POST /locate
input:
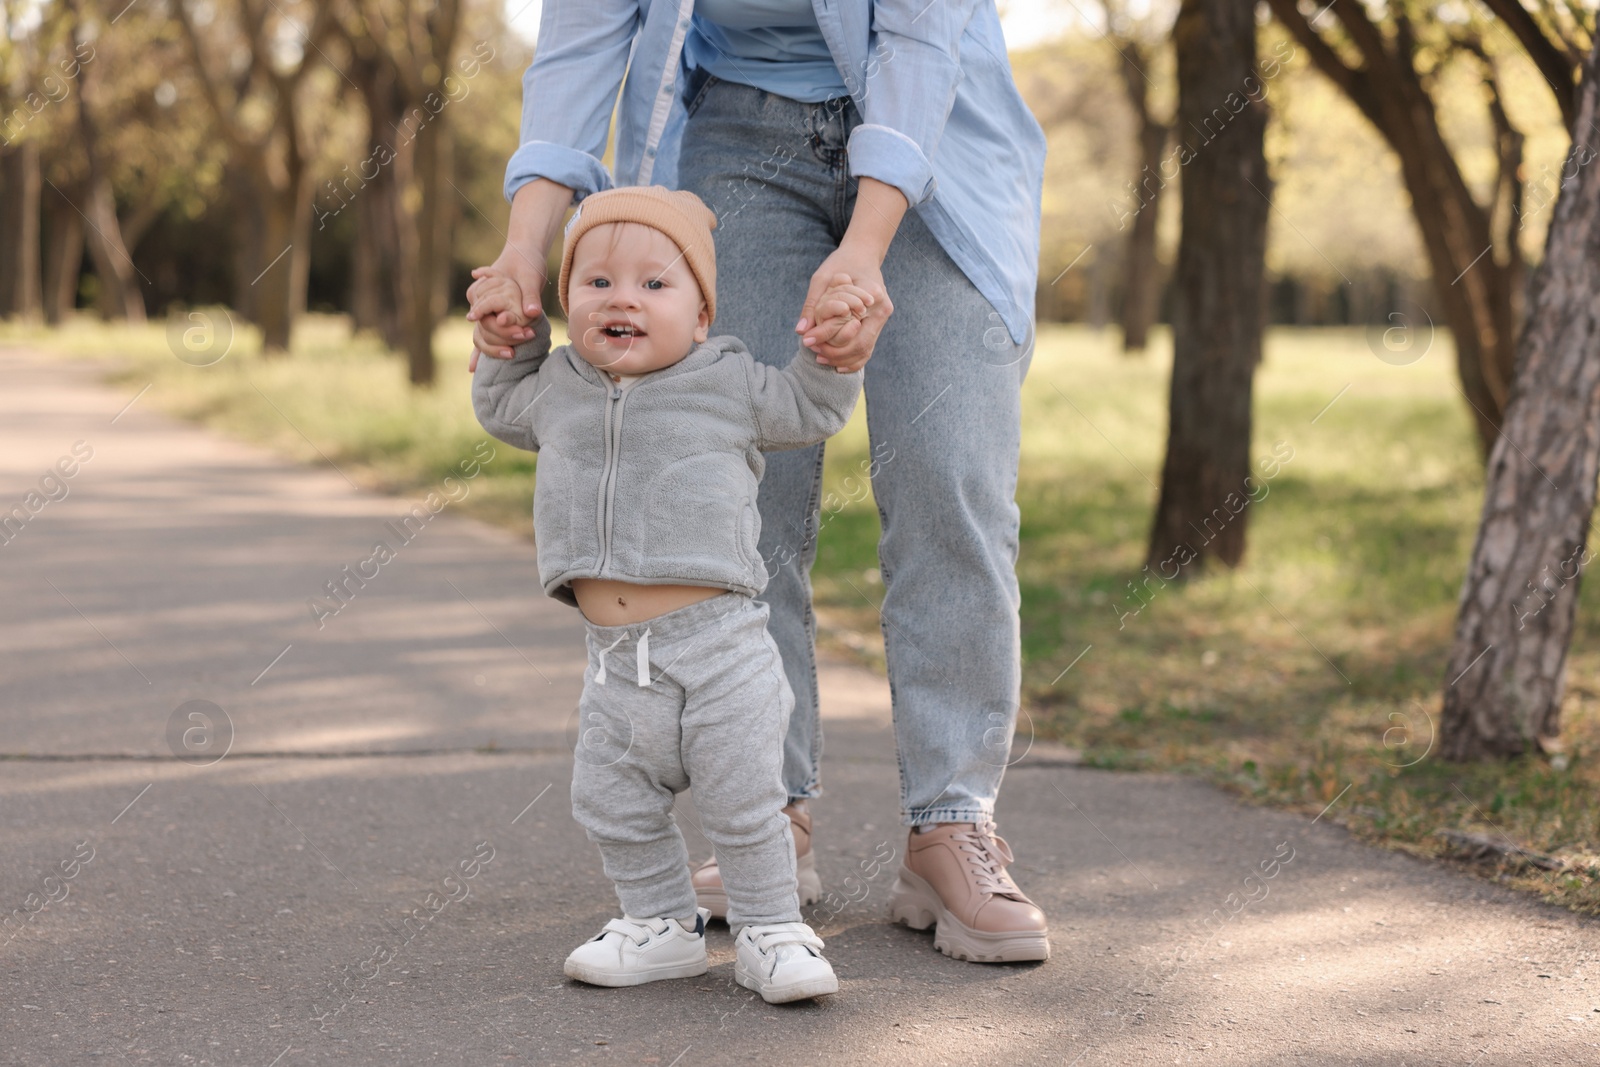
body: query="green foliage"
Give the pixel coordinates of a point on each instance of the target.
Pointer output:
(1341, 209)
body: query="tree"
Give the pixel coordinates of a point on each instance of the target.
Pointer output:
(37, 72)
(404, 51)
(379, 294)
(1553, 38)
(1218, 306)
(259, 110)
(1507, 668)
(70, 106)
(1387, 59)
(113, 261)
(29, 86)
(19, 230)
(122, 144)
(63, 256)
(1141, 277)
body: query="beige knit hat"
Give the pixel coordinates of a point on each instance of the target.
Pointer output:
(680, 215)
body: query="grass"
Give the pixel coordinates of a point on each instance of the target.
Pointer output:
(1309, 677)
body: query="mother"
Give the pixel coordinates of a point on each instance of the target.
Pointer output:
(885, 140)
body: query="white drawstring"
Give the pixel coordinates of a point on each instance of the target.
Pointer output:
(643, 660)
(600, 675)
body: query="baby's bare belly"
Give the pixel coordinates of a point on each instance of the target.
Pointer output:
(608, 602)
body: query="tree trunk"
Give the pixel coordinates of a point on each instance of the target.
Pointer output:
(246, 193)
(1141, 285)
(1141, 280)
(275, 279)
(403, 74)
(1507, 668)
(434, 158)
(285, 267)
(379, 297)
(299, 257)
(113, 264)
(114, 267)
(1476, 298)
(376, 301)
(1217, 315)
(364, 264)
(63, 259)
(19, 231)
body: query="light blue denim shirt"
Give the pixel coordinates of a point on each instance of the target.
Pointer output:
(942, 120)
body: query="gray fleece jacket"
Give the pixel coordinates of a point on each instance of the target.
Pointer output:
(655, 484)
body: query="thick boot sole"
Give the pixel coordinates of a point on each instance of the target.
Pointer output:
(715, 899)
(914, 902)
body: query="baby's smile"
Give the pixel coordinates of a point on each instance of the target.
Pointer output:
(622, 329)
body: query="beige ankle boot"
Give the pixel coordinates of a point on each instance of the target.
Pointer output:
(954, 879)
(707, 879)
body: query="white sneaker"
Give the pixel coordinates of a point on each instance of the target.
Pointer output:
(782, 962)
(631, 951)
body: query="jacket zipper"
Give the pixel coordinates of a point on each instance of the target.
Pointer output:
(608, 477)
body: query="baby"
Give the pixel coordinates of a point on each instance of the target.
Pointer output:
(650, 434)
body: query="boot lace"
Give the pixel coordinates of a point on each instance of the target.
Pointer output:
(987, 856)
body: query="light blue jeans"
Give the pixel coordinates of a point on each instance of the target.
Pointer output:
(943, 411)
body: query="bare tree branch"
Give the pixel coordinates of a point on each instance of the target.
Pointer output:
(1556, 59)
(1350, 80)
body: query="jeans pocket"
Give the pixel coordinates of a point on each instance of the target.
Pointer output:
(698, 84)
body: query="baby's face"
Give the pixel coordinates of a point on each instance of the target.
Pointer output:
(636, 306)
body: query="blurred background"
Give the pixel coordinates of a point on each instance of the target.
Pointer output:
(268, 210)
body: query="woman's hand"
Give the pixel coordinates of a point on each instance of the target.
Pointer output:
(496, 303)
(499, 327)
(836, 318)
(536, 213)
(851, 344)
(878, 210)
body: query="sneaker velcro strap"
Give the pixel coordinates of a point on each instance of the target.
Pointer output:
(636, 930)
(772, 935)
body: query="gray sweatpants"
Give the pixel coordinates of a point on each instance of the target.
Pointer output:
(705, 706)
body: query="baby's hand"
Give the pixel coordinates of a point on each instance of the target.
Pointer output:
(495, 297)
(838, 312)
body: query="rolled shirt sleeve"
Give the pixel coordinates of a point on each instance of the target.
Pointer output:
(569, 92)
(908, 91)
